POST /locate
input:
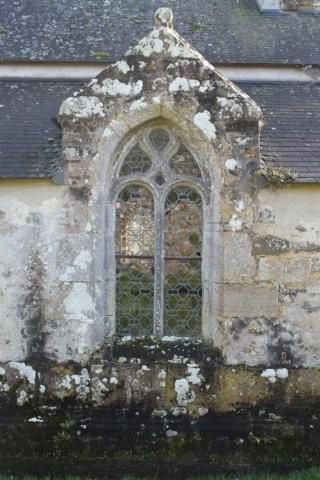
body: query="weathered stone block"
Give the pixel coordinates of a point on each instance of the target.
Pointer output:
(250, 300)
(247, 341)
(239, 264)
(287, 269)
(276, 216)
(270, 245)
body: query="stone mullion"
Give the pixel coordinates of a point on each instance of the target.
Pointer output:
(159, 268)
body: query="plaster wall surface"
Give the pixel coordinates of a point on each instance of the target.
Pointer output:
(29, 222)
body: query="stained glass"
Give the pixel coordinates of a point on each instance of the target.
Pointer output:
(183, 245)
(159, 246)
(183, 163)
(159, 138)
(137, 161)
(135, 263)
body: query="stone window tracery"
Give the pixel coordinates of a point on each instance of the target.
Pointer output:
(159, 224)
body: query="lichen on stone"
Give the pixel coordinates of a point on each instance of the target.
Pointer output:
(278, 175)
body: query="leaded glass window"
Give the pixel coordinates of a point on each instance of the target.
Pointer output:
(134, 247)
(159, 223)
(183, 245)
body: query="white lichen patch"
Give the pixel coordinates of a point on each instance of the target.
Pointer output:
(126, 338)
(79, 382)
(162, 375)
(203, 411)
(235, 223)
(122, 360)
(182, 386)
(178, 411)
(206, 86)
(148, 45)
(159, 413)
(114, 87)
(25, 371)
(79, 304)
(179, 49)
(231, 106)
(71, 153)
(282, 373)
(82, 383)
(157, 45)
(231, 164)
(22, 398)
(2, 371)
(144, 368)
(83, 260)
(66, 383)
(243, 141)
(36, 420)
(138, 105)
(239, 205)
(82, 107)
(272, 374)
(203, 121)
(178, 359)
(123, 67)
(194, 375)
(174, 338)
(181, 84)
(4, 387)
(107, 133)
(182, 390)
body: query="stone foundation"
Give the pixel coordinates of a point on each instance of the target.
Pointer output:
(168, 407)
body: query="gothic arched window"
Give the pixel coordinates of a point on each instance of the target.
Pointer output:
(159, 225)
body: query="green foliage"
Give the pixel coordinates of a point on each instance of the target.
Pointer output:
(64, 439)
(100, 54)
(198, 27)
(3, 31)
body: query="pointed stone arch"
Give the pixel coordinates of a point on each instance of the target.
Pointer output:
(210, 209)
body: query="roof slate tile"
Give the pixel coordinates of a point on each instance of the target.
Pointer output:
(224, 31)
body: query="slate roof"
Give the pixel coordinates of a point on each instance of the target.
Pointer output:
(30, 143)
(225, 31)
(291, 135)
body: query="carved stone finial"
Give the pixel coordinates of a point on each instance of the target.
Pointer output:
(163, 18)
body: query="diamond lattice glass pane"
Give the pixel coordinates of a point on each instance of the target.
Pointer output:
(135, 264)
(183, 163)
(135, 222)
(137, 161)
(183, 246)
(134, 296)
(159, 138)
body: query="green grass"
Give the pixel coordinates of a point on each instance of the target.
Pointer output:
(312, 474)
